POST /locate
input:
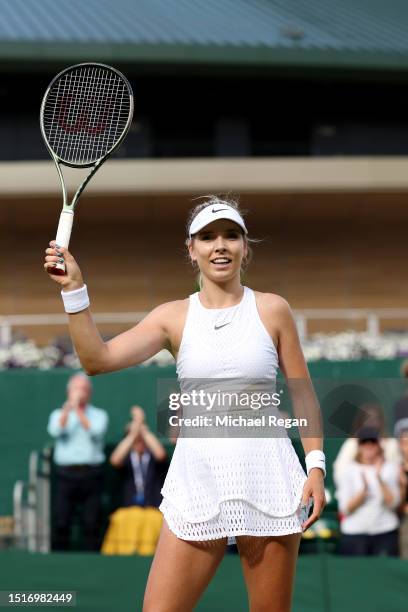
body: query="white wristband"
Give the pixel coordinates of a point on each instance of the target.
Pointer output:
(76, 300)
(315, 459)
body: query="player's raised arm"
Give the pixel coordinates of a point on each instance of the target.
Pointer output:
(96, 356)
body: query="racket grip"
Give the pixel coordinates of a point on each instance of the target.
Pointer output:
(64, 233)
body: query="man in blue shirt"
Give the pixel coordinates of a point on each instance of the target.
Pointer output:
(79, 430)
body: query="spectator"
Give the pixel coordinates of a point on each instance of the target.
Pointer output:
(401, 406)
(135, 527)
(401, 433)
(144, 459)
(369, 415)
(79, 429)
(368, 497)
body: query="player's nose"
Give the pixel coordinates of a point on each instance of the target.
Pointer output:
(219, 243)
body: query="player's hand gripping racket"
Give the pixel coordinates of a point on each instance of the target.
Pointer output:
(85, 114)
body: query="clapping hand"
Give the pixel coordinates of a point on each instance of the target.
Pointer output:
(365, 484)
(137, 414)
(137, 423)
(378, 465)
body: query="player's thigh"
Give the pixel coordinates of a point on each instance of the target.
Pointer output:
(180, 572)
(269, 567)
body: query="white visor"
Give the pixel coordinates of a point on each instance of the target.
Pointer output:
(213, 212)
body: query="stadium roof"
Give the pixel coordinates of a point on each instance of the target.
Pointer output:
(368, 34)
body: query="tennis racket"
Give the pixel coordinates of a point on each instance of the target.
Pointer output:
(85, 114)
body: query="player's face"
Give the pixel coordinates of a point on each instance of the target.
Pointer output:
(219, 249)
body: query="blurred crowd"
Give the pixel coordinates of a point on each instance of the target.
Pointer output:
(370, 474)
(78, 429)
(371, 477)
(24, 353)
(350, 345)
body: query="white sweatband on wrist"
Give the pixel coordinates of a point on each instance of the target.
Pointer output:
(315, 459)
(76, 300)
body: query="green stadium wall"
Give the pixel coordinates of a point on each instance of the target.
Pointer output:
(27, 397)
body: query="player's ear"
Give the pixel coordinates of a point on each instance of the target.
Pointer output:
(246, 249)
(190, 248)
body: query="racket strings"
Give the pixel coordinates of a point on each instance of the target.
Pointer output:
(85, 113)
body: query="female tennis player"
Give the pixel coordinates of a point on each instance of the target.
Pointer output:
(250, 491)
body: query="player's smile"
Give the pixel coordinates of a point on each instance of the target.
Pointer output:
(221, 262)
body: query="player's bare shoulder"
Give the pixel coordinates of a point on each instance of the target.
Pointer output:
(275, 313)
(272, 305)
(171, 311)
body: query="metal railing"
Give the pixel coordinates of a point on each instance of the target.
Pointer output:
(372, 318)
(20, 514)
(31, 505)
(7, 322)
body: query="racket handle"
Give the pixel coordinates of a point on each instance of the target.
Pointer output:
(64, 233)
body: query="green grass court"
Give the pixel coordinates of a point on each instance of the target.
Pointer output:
(324, 583)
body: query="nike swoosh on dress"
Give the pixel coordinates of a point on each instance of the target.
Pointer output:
(223, 325)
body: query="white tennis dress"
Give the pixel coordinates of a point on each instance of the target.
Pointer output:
(218, 487)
